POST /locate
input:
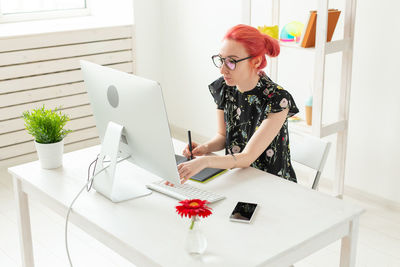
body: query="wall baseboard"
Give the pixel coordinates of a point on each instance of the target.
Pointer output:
(363, 196)
(368, 197)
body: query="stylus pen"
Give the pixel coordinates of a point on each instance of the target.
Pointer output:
(190, 145)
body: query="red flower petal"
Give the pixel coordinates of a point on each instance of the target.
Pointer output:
(193, 207)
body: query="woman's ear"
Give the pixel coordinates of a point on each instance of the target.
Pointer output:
(256, 62)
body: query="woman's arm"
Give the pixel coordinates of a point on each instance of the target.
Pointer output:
(257, 144)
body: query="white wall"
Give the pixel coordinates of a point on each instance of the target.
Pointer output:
(147, 19)
(191, 32)
(373, 151)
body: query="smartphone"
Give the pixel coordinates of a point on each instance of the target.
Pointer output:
(243, 212)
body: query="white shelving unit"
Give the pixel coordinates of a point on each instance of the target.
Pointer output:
(321, 50)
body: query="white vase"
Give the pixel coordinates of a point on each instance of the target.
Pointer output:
(196, 242)
(50, 155)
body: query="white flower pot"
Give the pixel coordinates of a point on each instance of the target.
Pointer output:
(50, 155)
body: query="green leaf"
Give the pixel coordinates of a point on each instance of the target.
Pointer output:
(46, 125)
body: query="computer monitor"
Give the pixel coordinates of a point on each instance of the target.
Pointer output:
(131, 120)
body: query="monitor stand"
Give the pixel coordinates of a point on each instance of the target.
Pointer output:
(116, 184)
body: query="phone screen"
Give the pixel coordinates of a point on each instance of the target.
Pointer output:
(243, 212)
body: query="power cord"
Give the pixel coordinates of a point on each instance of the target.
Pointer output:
(90, 181)
(88, 186)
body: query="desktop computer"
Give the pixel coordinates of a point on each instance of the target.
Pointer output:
(132, 122)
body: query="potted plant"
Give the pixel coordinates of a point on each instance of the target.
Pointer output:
(47, 127)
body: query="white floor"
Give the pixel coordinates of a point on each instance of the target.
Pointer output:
(378, 242)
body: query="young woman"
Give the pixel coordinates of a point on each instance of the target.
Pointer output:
(252, 110)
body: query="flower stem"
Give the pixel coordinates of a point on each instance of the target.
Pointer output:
(192, 224)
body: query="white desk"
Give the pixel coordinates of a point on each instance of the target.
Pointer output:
(291, 223)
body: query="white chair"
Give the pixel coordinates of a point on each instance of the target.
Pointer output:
(309, 151)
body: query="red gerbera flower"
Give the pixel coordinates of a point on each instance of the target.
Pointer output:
(194, 207)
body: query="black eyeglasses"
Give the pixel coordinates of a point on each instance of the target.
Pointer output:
(230, 63)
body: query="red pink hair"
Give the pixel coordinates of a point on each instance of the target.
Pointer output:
(256, 43)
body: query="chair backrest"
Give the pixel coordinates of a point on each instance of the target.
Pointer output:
(309, 151)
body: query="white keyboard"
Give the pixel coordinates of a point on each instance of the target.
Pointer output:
(184, 191)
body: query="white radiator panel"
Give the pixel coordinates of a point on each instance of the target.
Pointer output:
(44, 69)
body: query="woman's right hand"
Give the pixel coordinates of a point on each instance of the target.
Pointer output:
(198, 150)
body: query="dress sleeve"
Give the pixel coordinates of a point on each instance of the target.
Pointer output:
(217, 90)
(278, 100)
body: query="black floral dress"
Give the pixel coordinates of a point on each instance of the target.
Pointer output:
(244, 113)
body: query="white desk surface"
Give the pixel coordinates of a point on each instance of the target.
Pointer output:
(292, 221)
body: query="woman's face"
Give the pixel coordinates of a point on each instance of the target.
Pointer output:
(243, 70)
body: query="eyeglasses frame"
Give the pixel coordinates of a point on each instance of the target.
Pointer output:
(224, 58)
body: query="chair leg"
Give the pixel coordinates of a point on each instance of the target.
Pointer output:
(316, 180)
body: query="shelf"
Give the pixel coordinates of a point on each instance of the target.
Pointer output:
(336, 46)
(322, 49)
(296, 46)
(330, 47)
(326, 129)
(333, 128)
(300, 126)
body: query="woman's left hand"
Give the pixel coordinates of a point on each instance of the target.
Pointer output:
(190, 168)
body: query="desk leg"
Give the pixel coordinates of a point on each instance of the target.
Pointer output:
(349, 245)
(24, 224)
